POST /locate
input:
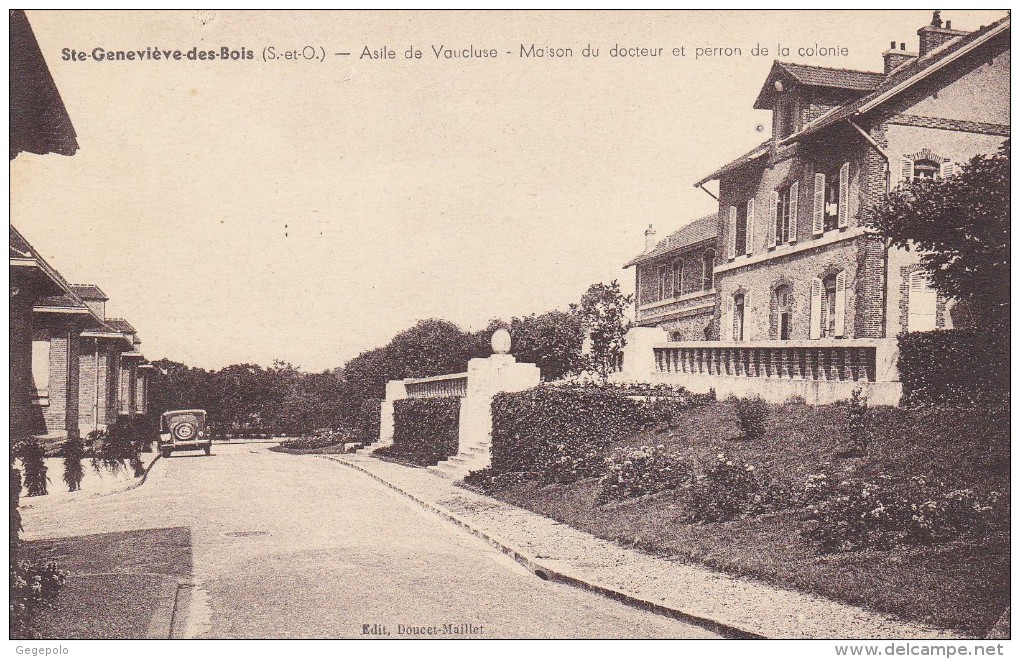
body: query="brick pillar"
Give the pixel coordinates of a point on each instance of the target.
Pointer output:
(20, 371)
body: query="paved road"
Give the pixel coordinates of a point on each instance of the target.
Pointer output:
(299, 547)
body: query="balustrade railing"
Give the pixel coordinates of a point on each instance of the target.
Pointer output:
(801, 361)
(437, 387)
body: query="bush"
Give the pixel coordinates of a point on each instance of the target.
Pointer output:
(320, 439)
(73, 451)
(857, 419)
(33, 588)
(962, 368)
(862, 514)
(562, 430)
(367, 421)
(638, 472)
(120, 445)
(752, 417)
(491, 482)
(33, 458)
(426, 431)
(729, 489)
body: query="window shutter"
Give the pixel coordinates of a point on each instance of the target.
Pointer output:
(818, 217)
(844, 196)
(906, 170)
(773, 216)
(921, 304)
(816, 308)
(794, 196)
(726, 321)
(947, 169)
(748, 324)
(840, 319)
(749, 238)
(733, 233)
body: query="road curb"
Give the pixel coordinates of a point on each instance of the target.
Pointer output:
(543, 572)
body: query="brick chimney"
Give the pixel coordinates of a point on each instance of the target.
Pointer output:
(649, 238)
(934, 35)
(895, 58)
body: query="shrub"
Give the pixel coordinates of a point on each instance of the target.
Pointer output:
(859, 515)
(33, 458)
(491, 482)
(120, 446)
(33, 588)
(857, 420)
(752, 417)
(863, 514)
(73, 451)
(560, 429)
(637, 472)
(367, 421)
(728, 489)
(320, 439)
(962, 368)
(426, 431)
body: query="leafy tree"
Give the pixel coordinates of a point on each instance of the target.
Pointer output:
(960, 226)
(603, 316)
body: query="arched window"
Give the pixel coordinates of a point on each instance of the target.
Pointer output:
(783, 301)
(676, 336)
(708, 270)
(678, 278)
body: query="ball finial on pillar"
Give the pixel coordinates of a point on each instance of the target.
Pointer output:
(501, 342)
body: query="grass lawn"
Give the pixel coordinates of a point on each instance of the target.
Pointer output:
(962, 585)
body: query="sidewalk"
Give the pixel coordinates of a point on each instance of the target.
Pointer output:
(733, 607)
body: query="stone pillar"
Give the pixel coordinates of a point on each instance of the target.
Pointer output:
(638, 355)
(395, 390)
(486, 378)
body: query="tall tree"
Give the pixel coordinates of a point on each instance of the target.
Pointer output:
(960, 227)
(603, 313)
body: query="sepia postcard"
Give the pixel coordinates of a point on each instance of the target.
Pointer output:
(499, 325)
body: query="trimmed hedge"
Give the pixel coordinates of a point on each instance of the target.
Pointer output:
(560, 431)
(962, 368)
(426, 431)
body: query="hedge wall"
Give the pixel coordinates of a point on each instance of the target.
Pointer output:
(535, 430)
(954, 367)
(425, 430)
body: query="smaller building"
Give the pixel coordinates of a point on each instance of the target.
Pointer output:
(675, 280)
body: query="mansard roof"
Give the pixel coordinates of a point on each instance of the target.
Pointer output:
(700, 230)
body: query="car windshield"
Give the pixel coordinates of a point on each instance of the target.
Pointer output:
(174, 418)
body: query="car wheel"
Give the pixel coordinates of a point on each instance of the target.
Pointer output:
(208, 450)
(166, 452)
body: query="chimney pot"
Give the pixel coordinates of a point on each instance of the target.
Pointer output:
(949, 25)
(649, 238)
(903, 45)
(892, 45)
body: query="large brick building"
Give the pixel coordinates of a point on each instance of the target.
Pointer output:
(792, 262)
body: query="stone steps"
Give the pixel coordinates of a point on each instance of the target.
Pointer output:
(460, 465)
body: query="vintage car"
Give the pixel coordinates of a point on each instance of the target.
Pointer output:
(184, 430)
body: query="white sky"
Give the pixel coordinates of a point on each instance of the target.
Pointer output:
(246, 211)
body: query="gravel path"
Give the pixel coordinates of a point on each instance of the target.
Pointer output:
(738, 604)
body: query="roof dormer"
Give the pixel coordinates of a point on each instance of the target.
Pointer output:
(798, 93)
